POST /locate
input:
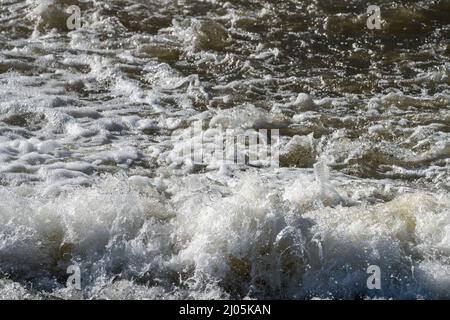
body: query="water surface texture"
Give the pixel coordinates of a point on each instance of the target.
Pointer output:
(91, 174)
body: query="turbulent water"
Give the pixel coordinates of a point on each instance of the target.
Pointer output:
(91, 175)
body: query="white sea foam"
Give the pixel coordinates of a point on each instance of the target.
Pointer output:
(242, 234)
(93, 170)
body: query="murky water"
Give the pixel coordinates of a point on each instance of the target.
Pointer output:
(91, 175)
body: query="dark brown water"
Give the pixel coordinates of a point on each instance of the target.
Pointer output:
(91, 172)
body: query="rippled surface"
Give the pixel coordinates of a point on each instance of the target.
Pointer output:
(89, 172)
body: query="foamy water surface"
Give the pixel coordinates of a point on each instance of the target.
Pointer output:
(90, 172)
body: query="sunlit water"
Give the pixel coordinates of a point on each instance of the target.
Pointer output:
(90, 176)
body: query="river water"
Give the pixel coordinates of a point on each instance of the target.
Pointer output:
(92, 121)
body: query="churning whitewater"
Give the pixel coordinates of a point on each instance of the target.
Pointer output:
(95, 123)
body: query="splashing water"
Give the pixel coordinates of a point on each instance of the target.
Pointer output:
(89, 172)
